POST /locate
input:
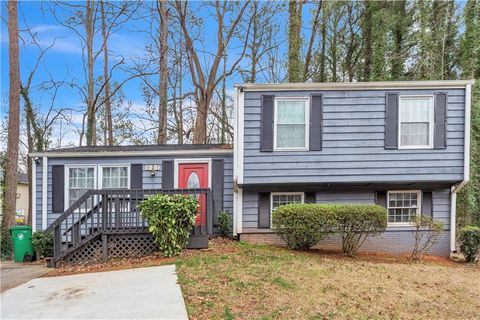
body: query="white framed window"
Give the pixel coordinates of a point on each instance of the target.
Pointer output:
(416, 116)
(291, 123)
(78, 180)
(114, 176)
(280, 198)
(402, 206)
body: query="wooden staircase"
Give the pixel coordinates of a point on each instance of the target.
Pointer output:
(107, 223)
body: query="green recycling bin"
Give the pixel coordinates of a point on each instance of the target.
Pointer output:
(22, 243)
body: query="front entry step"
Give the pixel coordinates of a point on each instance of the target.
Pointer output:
(198, 242)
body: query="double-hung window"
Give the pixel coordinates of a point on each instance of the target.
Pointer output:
(80, 180)
(114, 177)
(416, 116)
(291, 119)
(281, 198)
(403, 206)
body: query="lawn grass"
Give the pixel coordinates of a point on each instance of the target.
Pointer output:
(246, 281)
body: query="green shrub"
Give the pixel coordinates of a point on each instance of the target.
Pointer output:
(224, 223)
(426, 235)
(302, 226)
(356, 222)
(42, 244)
(470, 242)
(170, 219)
(5, 244)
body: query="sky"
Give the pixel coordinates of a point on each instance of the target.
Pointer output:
(64, 60)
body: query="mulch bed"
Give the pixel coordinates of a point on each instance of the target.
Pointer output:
(217, 246)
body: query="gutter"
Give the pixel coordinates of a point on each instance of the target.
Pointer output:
(99, 154)
(378, 85)
(466, 169)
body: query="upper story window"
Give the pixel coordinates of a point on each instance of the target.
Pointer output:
(291, 119)
(114, 177)
(416, 116)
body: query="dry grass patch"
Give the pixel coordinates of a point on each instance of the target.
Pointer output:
(263, 282)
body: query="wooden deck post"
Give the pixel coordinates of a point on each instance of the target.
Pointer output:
(104, 247)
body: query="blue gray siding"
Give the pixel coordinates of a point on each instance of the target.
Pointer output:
(393, 240)
(149, 181)
(353, 144)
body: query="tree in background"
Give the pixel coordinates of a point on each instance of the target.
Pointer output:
(294, 40)
(11, 165)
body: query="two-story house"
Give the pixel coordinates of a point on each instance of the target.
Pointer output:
(402, 145)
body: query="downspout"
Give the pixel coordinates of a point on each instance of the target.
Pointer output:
(44, 192)
(466, 170)
(235, 164)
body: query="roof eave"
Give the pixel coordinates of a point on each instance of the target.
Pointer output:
(98, 154)
(379, 85)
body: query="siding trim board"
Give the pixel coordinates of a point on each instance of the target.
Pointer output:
(44, 192)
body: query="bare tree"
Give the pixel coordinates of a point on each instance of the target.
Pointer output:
(108, 105)
(11, 166)
(205, 81)
(163, 103)
(309, 53)
(294, 40)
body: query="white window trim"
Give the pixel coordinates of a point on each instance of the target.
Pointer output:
(419, 205)
(431, 121)
(67, 179)
(116, 165)
(272, 194)
(177, 162)
(306, 100)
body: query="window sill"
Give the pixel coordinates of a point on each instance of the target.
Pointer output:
(290, 149)
(415, 148)
(399, 224)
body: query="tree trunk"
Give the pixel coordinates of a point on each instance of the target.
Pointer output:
(367, 38)
(294, 40)
(11, 166)
(163, 103)
(108, 106)
(91, 114)
(224, 104)
(308, 55)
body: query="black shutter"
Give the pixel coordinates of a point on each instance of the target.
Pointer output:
(310, 197)
(391, 120)
(136, 176)
(427, 203)
(217, 187)
(167, 174)
(266, 124)
(440, 126)
(316, 122)
(264, 210)
(381, 198)
(58, 188)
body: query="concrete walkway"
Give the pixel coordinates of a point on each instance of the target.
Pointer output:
(16, 273)
(143, 293)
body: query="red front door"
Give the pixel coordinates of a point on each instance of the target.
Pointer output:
(195, 176)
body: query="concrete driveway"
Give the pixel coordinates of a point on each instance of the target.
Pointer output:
(143, 293)
(15, 273)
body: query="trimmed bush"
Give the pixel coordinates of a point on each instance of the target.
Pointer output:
(6, 244)
(42, 244)
(470, 242)
(356, 222)
(224, 223)
(426, 235)
(170, 219)
(302, 226)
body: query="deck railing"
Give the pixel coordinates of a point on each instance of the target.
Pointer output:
(115, 211)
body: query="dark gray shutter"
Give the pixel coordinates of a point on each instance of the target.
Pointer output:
(217, 187)
(310, 197)
(58, 188)
(316, 122)
(264, 210)
(381, 198)
(391, 120)
(167, 174)
(427, 203)
(136, 176)
(266, 124)
(440, 126)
